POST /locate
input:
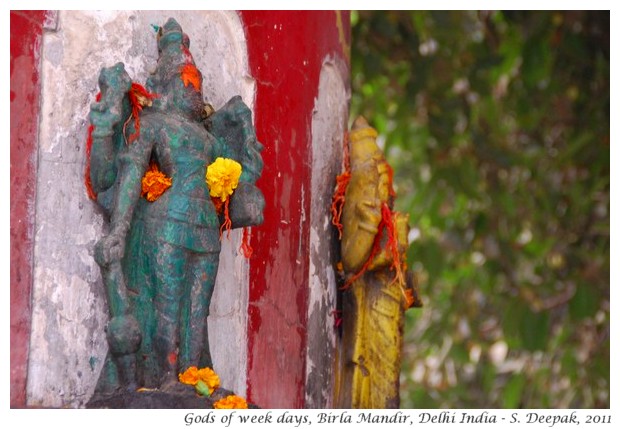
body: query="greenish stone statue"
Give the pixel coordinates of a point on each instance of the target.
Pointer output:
(160, 258)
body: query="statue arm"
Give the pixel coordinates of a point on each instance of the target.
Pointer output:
(106, 116)
(132, 162)
(234, 130)
(251, 158)
(220, 149)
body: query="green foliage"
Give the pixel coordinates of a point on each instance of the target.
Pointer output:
(497, 126)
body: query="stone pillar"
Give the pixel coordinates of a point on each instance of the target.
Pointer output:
(300, 63)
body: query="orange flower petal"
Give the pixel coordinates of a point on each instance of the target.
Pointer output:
(231, 401)
(190, 376)
(210, 378)
(154, 183)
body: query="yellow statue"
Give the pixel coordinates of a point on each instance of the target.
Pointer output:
(378, 287)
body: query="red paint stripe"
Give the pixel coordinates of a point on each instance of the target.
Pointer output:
(286, 52)
(26, 32)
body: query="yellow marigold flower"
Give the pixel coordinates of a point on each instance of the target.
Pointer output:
(231, 401)
(223, 177)
(190, 376)
(154, 183)
(210, 378)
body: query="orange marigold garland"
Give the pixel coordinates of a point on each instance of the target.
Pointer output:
(154, 183)
(231, 402)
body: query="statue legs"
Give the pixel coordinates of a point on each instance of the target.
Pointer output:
(194, 350)
(184, 286)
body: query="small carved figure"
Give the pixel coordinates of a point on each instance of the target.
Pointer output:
(160, 259)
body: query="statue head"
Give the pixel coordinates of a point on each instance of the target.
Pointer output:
(364, 151)
(176, 79)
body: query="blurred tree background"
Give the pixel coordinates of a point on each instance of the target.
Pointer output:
(497, 126)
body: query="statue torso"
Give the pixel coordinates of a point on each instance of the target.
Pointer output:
(184, 215)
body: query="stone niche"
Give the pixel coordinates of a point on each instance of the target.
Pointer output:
(68, 343)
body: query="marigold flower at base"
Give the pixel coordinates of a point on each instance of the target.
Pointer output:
(210, 378)
(154, 183)
(190, 376)
(231, 401)
(193, 375)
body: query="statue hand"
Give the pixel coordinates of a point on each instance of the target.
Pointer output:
(109, 249)
(247, 205)
(114, 83)
(102, 118)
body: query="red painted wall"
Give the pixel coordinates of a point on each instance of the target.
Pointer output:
(286, 52)
(26, 32)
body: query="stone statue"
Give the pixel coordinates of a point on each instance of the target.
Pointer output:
(378, 287)
(160, 259)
